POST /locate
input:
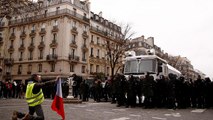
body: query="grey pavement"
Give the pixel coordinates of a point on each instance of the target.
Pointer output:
(105, 111)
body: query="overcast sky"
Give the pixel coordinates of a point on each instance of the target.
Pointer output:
(179, 27)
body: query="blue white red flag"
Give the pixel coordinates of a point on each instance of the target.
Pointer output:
(58, 104)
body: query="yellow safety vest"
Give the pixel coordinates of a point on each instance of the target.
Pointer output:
(33, 99)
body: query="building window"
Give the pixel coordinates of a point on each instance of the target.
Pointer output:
(75, 11)
(83, 69)
(98, 42)
(52, 67)
(53, 51)
(84, 56)
(33, 27)
(21, 56)
(29, 69)
(19, 69)
(55, 23)
(91, 52)
(43, 25)
(39, 67)
(54, 36)
(74, 24)
(32, 40)
(41, 52)
(107, 71)
(42, 38)
(91, 38)
(73, 38)
(98, 52)
(97, 68)
(30, 55)
(72, 68)
(91, 68)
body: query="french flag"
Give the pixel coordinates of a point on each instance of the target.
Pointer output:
(58, 104)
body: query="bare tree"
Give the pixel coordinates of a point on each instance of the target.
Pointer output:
(116, 49)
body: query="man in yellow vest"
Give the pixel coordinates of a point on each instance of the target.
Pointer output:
(34, 97)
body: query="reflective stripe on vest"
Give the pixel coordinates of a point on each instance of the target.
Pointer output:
(33, 99)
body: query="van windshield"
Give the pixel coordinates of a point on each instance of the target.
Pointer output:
(140, 66)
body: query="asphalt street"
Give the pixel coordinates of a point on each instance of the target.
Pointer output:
(105, 111)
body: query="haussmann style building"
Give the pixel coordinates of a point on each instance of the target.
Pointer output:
(63, 38)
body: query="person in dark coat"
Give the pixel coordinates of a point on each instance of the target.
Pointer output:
(76, 84)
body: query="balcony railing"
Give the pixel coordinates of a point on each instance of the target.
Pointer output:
(31, 47)
(41, 45)
(73, 44)
(85, 35)
(52, 57)
(11, 49)
(73, 58)
(55, 28)
(54, 43)
(74, 30)
(33, 33)
(8, 61)
(84, 48)
(21, 48)
(51, 14)
(12, 36)
(23, 34)
(43, 31)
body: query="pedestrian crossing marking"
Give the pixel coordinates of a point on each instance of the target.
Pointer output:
(122, 118)
(158, 118)
(198, 110)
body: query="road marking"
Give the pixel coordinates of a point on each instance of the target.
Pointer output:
(89, 110)
(121, 110)
(122, 118)
(108, 112)
(72, 108)
(198, 110)
(158, 118)
(133, 115)
(176, 115)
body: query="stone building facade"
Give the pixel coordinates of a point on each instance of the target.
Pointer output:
(64, 38)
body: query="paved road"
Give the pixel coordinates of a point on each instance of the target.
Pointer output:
(105, 111)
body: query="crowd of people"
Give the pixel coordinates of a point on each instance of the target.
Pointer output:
(164, 92)
(12, 89)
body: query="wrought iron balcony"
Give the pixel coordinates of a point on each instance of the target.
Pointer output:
(84, 48)
(8, 61)
(11, 49)
(23, 34)
(33, 33)
(54, 43)
(55, 29)
(31, 47)
(73, 44)
(12, 36)
(52, 57)
(21, 48)
(74, 30)
(41, 45)
(42, 32)
(50, 14)
(73, 58)
(84, 34)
